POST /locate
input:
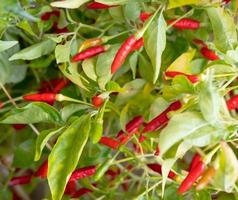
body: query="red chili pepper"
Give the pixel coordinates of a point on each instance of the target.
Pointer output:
(113, 173)
(157, 168)
(122, 53)
(97, 101)
(1, 105)
(20, 180)
(209, 54)
(19, 126)
(199, 42)
(48, 86)
(139, 43)
(96, 5)
(81, 192)
(185, 23)
(226, 1)
(232, 103)
(144, 16)
(161, 119)
(82, 173)
(192, 78)
(47, 15)
(61, 85)
(142, 138)
(93, 51)
(70, 188)
(59, 30)
(192, 177)
(110, 142)
(46, 97)
(196, 159)
(131, 127)
(42, 170)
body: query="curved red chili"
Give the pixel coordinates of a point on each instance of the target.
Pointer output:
(192, 78)
(97, 101)
(144, 16)
(61, 85)
(20, 180)
(80, 192)
(139, 43)
(185, 23)
(196, 159)
(157, 168)
(46, 97)
(122, 53)
(161, 119)
(192, 176)
(232, 103)
(82, 173)
(96, 5)
(110, 142)
(42, 170)
(93, 51)
(208, 53)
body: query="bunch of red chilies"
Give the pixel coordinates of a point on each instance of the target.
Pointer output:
(95, 46)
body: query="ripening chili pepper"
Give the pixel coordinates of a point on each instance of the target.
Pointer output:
(185, 23)
(195, 160)
(19, 126)
(209, 54)
(46, 97)
(61, 85)
(97, 101)
(82, 173)
(90, 43)
(20, 180)
(110, 142)
(42, 170)
(122, 53)
(96, 5)
(93, 51)
(139, 43)
(144, 16)
(192, 78)
(157, 168)
(70, 188)
(232, 103)
(226, 1)
(206, 178)
(192, 177)
(157, 150)
(161, 119)
(80, 192)
(142, 138)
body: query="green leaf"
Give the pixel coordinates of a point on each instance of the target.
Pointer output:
(68, 3)
(24, 154)
(157, 107)
(35, 51)
(180, 126)
(224, 28)
(178, 3)
(155, 42)
(124, 117)
(42, 139)
(103, 65)
(227, 164)
(210, 103)
(71, 109)
(4, 45)
(88, 67)
(132, 10)
(133, 63)
(32, 113)
(62, 53)
(145, 68)
(65, 155)
(26, 26)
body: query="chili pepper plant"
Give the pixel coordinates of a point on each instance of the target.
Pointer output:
(118, 99)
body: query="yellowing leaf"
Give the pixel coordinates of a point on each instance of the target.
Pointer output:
(178, 3)
(182, 63)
